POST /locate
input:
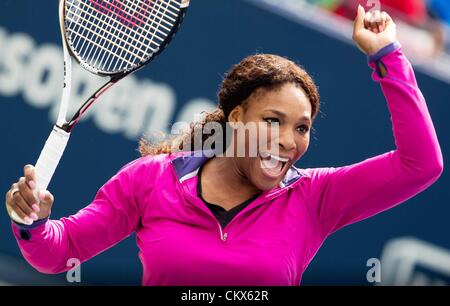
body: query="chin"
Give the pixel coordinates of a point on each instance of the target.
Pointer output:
(265, 186)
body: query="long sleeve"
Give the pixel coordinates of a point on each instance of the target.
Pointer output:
(113, 215)
(344, 195)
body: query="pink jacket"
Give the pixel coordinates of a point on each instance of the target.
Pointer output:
(274, 238)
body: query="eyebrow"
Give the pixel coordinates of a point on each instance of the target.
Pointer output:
(283, 115)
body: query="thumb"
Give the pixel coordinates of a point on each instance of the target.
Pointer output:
(46, 199)
(45, 204)
(359, 20)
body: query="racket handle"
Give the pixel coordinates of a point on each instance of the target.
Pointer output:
(14, 216)
(46, 164)
(49, 158)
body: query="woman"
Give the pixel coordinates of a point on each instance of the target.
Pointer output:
(254, 220)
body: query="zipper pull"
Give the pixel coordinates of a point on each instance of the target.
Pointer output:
(223, 235)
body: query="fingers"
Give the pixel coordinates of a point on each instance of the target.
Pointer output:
(16, 203)
(22, 203)
(27, 194)
(22, 217)
(372, 21)
(382, 23)
(387, 17)
(21, 206)
(377, 21)
(389, 24)
(30, 177)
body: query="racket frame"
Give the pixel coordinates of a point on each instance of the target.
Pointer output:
(114, 77)
(57, 141)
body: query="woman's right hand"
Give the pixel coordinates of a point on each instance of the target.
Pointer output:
(20, 198)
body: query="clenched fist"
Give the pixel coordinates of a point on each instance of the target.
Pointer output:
(21, 200)
(373, 30)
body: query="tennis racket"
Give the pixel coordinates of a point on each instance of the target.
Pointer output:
(112, 39)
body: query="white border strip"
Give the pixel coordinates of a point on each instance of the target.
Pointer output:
(188, 176)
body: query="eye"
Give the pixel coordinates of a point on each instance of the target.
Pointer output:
(303, 129)
(272, 120)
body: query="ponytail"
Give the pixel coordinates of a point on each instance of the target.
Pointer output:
(178, 142)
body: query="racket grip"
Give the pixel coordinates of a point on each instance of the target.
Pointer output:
(46, 164)
(14, 216)
(49, 158)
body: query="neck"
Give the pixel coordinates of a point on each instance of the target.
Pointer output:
(226, 182)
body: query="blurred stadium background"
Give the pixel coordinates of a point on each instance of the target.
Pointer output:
(412, 240)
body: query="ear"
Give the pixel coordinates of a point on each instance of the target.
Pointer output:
(236, 115)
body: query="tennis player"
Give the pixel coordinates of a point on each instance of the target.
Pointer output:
(258, 220)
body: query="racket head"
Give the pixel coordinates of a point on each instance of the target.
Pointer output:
(116, 37)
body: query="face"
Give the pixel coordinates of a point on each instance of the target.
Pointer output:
(285, 109)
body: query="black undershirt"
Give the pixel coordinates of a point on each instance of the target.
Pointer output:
(222, 215)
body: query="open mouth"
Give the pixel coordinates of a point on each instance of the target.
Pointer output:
(272, 165)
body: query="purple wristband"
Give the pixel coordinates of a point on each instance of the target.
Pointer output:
(384, 51)
(31, 226)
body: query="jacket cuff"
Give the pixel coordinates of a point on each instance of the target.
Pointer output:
(384, 51)
(24, 231)
(31, 226)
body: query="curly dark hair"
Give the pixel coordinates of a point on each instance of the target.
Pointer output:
(266, 71)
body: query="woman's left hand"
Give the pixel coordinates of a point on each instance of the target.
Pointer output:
(373, 30)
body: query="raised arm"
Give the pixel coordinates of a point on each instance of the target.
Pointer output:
(344, 195)
(113, 215)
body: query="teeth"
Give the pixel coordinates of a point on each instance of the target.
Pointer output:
(271, 164)
(264, 154)
(281, 159)
(267, 155)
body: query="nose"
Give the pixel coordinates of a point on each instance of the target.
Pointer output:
(287, 140)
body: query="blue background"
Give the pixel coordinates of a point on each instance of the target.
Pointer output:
(354, 124)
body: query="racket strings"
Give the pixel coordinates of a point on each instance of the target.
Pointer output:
(111, 41)
(118, 35)
(108, 28)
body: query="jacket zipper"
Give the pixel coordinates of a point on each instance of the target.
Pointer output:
(223, 235)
